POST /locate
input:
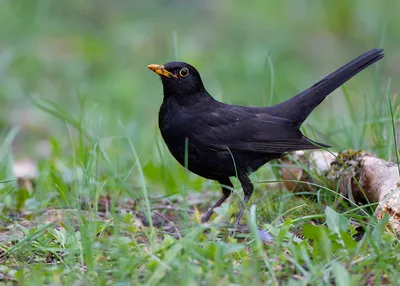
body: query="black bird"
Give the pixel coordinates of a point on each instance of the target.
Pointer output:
(222, 140)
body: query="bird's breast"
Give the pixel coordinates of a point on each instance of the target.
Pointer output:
(173, 129)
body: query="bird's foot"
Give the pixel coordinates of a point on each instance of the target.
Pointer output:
(207, 216)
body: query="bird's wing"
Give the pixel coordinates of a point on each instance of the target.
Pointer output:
(250, 130)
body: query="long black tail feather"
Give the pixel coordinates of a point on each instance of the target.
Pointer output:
(297, 108)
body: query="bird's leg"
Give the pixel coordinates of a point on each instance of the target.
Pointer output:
(226, 187)
(247, 187)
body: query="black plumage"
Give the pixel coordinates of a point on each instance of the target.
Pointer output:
(223, 140)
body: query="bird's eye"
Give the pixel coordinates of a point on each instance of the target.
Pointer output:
(184, 72)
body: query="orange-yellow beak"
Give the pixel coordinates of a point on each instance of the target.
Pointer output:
(161, 71)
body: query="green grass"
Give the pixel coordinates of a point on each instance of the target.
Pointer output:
(77, 99)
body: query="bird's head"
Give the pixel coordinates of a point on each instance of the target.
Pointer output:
(179, 79)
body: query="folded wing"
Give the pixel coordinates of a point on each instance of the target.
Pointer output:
(251, 130)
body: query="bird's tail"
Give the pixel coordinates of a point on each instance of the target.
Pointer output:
(300, 106)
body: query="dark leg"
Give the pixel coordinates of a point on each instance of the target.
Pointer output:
(247, 187)
(227, 187)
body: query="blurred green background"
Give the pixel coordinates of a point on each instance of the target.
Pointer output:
(89, 58)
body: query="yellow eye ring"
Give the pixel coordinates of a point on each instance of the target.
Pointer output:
(184, 72)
